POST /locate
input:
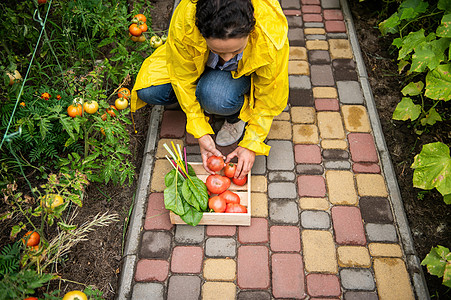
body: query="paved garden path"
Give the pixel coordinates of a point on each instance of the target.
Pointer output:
(327, 219)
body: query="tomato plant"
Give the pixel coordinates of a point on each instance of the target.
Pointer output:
(52, 201)
(241, 181)
(235, 208)
(217, 204)
(75, 295)
(111, 110)
(230, 197)
(31, 238)
(215, 163)
(124, 93)
(217, 184)
(135, 30)
(75, 110)
(121, 103)
(229, 170)
(140, 17)
(91, 107)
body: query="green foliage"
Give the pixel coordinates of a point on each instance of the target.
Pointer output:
(433, 169)
(10, 258)
(21, 284)
(93, 294)
(438, 263)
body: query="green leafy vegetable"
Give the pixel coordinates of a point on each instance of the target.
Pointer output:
(438, 263)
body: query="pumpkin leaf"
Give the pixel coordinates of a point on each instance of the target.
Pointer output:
(406, 109)
(413, 88)
(390, 25)
(438, 83)
(411, 41)
(438, 263)
(432, 116)
(444, 30)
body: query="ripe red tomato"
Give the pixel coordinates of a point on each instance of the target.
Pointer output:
(217, 184)
(229, 170)
(31, 298)
(74, 110)
(141, 17)
(42, 1)
(217, 204)
(111, 110)
(135, 30)
(235, 208)
(240, 181)
(124, 93)
(143, 27)
(215, 163)
(230, 197)
(31, 238)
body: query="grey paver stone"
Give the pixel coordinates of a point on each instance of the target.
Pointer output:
(313, 25)
(296, 36)
(281, 211)
(252, 295)
(337, 164)
(281, 156)
(184, 287)
(360, 296)
(375, 210)
(319, 57)
(193, 158)
(315, 37)
(187, 234)
(282, 190)
(310, 169)
(322, 75)
(349, 92)
(220, 247)
(335, 154)
(330, 3)
(357, 279)
(291, 4)
(299, 82)
(156, 244)
(148, 291)
(337, 35)
(281, 176)
(295, 21)
(381, 232)
(259, 167)
(300, 97)
(315, 219)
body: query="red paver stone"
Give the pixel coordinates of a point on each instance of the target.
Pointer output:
(311, 186)
(323, 285)
(311, 2)
(285, 239)
(366, 168)
(253, 267)
(333, 14)
(307, 154)
(287, 276)
(256, 233)
(348, 225)
(292, 12)
(151, 270)
(187, 259)
(327, 104)
(312, 18)
(157, 216)
(335, 26)
(311, 9)
(213, 230)
(362, 147)
(173, 124)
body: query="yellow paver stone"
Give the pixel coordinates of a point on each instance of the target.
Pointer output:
(212, 290)
(341, 188)
(319, 251)
(325, 92)
(314, 31)
(305, 134)
(220, 269)
(298, 53)
(162, 167)
(161, 151)
(330, 125)
(371, 185)
(313, 204)
(258, 184)
(334, 144)
(356, 118)
(280, 130)
(385, 250)
(353, 256)
(298, 67)
(259, 205)
(303, 115)
(392, 279)
(317, 45)
(283, 116)
(340, 48)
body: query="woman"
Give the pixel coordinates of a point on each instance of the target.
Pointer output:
(224, 57)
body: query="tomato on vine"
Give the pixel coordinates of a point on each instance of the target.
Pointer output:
(31, 238)
(91, 107)
(121, 103)
(143, 27)
(135, 30)
(75, 295)
(75, 110)
(111, 110)
(156, 41)
(140, 17)
(123, 93)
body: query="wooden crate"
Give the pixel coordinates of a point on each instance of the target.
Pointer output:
(223, 218)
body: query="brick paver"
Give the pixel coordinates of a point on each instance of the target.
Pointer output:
(322, 224)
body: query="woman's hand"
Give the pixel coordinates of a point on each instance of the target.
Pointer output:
(246, 160)
(207, 149)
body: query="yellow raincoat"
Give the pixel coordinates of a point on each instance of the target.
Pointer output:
(182, 59)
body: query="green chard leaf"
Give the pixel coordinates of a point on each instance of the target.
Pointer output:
(173, 197)
(188, 195)
(192, 216)
(406, 109)
(438, 83)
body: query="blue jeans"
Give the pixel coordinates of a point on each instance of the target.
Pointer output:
(217, 92)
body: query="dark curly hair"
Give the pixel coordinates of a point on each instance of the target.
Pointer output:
(224, 19)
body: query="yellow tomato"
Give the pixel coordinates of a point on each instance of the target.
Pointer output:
(14, 77)
(156, 41)
(52, 201)
(91, 107)
(121, 103)
(75, 295)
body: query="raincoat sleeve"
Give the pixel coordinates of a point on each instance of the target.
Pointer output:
(270, 99)
(183, 73)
